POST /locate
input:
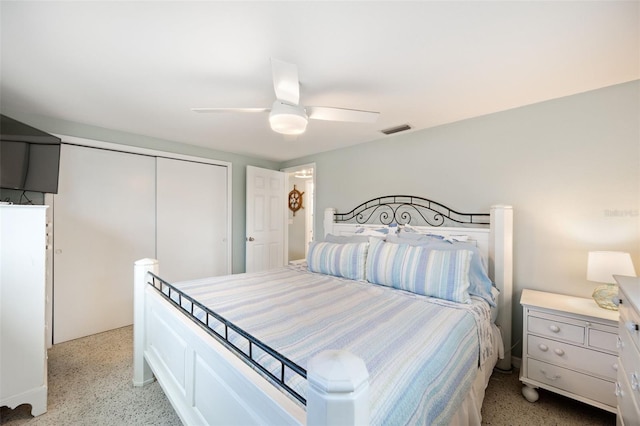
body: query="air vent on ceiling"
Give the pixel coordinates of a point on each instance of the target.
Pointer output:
(396, 129)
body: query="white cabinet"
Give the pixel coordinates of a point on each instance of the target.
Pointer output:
(569, 347)
(23, 356)
(628, 384)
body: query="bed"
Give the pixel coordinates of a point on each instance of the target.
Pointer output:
(357, 334)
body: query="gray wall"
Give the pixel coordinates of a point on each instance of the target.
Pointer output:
(239, 164)
(570, 167)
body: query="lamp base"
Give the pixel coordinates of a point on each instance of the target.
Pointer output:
(606, 296)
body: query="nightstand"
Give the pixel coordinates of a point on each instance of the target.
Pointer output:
(569, 347)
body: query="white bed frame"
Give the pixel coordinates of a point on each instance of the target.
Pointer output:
(208, 384)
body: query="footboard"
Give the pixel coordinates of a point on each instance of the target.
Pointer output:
(208, 384)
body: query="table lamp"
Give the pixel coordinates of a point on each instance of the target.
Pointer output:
(601, 266)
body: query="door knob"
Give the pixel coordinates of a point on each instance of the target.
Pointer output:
(251, 239)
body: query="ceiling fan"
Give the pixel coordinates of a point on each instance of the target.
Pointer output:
(286, 115)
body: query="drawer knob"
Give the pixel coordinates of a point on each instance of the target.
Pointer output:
(635, 385)
(632, 326)
(550, 377)
(619, 343)
(554, 328)
(543, 347)
(618, 391)
(615, 366)
(558, 351)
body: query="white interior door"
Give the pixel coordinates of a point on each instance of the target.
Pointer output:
(104, 220)
(192, 219)
(265, 219)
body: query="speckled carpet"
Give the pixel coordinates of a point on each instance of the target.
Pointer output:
(90, 384)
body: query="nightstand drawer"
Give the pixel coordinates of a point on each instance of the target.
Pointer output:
(555, 329)
(580, 384)
(603, 339)
(574, 357)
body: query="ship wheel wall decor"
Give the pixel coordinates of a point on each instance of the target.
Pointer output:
(295, 200)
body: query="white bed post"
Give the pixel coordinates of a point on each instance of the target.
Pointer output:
(142, 373)
(501, 268)
(329, 220)
(338, 392)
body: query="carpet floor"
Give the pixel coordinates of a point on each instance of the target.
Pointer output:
(90, 384)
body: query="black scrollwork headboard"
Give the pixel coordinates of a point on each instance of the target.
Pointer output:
(408, 210)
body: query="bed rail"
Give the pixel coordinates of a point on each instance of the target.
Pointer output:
(177, 298)
(408, 209)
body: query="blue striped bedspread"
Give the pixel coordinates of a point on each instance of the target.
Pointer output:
(422, 353)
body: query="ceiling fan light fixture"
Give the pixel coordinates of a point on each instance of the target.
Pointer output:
(287, 119)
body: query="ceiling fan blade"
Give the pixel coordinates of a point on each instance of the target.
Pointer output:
(214, 110)
(285, 81)
(342, 114)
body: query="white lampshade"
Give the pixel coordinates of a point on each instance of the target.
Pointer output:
(287, 119)
(602, 265)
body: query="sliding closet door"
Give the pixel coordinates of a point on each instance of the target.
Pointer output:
(192, 219)
(104, 220)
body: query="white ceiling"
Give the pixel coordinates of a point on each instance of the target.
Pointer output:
(139, 67)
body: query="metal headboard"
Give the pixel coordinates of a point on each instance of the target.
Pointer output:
(408, 210)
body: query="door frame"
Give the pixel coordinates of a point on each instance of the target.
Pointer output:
(287, 171)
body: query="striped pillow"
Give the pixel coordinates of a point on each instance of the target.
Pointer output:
(341, 260)
(438, 273)
(385, 262)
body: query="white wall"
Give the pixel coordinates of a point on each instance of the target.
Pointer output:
(570, 167)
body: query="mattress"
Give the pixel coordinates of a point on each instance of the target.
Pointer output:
(423, 354)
